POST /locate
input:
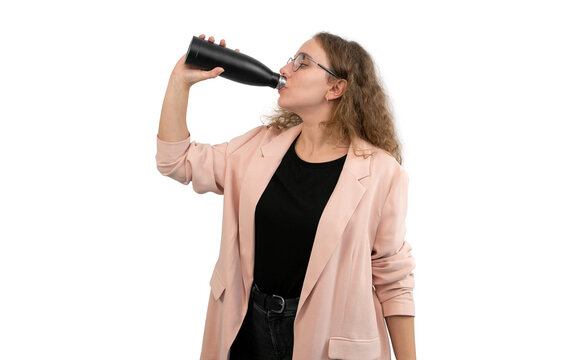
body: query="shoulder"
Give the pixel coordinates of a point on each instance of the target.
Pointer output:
(381, 160)
(385, 171)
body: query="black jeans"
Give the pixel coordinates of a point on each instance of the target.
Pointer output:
(264, 334)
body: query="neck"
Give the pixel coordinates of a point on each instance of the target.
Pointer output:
(313, 141)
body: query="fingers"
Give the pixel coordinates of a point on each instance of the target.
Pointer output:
(212, 39)
(213, 73)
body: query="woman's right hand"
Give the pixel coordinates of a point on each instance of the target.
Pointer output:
(189, 76)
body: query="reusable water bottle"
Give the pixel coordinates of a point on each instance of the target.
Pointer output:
(205, 55)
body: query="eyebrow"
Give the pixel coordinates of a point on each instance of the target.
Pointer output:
(303, 53)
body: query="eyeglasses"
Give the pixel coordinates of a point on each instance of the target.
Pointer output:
(298, 61)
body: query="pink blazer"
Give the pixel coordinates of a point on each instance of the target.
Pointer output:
(360, 268)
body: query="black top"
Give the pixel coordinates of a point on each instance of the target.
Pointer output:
(286, 221)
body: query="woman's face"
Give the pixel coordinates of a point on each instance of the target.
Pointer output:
(305, 88)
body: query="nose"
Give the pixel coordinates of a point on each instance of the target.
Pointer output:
(286, 70)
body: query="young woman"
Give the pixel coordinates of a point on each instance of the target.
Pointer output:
(313, 263)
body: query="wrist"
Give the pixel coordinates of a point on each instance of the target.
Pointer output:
(178, 82)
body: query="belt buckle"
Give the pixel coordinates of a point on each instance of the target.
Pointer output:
(283, 303)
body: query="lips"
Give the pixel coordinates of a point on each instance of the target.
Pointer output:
(282, 88)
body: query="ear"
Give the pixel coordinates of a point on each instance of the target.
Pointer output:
(337, 89)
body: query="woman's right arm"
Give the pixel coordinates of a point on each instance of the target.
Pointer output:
(177, 156)
(173, 118)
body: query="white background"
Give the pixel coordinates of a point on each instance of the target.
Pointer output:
(102, 257)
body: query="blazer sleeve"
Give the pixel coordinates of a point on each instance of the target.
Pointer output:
(203, 165)
(392, 262)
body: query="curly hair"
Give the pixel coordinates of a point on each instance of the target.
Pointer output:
(364, 108)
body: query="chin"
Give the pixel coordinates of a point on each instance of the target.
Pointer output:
(282, 104)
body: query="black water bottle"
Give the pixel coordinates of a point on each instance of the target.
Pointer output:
(205, 55)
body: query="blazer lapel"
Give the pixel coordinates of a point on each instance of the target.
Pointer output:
(336, 214)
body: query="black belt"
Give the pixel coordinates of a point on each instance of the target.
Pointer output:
(274, 303)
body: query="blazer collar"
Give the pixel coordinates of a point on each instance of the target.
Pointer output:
(278, 146)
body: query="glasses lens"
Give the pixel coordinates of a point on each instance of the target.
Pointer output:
(299, 59)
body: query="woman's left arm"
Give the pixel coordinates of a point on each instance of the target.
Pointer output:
(392, 265)
(401, 328)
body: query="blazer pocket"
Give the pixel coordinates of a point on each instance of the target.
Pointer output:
(217, 284)
(354, 349)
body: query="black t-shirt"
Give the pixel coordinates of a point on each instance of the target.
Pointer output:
(286, 219)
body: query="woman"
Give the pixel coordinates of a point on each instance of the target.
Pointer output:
(313, 263)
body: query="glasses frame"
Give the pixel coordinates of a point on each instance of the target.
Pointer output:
(308, 57)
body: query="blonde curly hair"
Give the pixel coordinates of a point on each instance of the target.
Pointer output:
(364, 108)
